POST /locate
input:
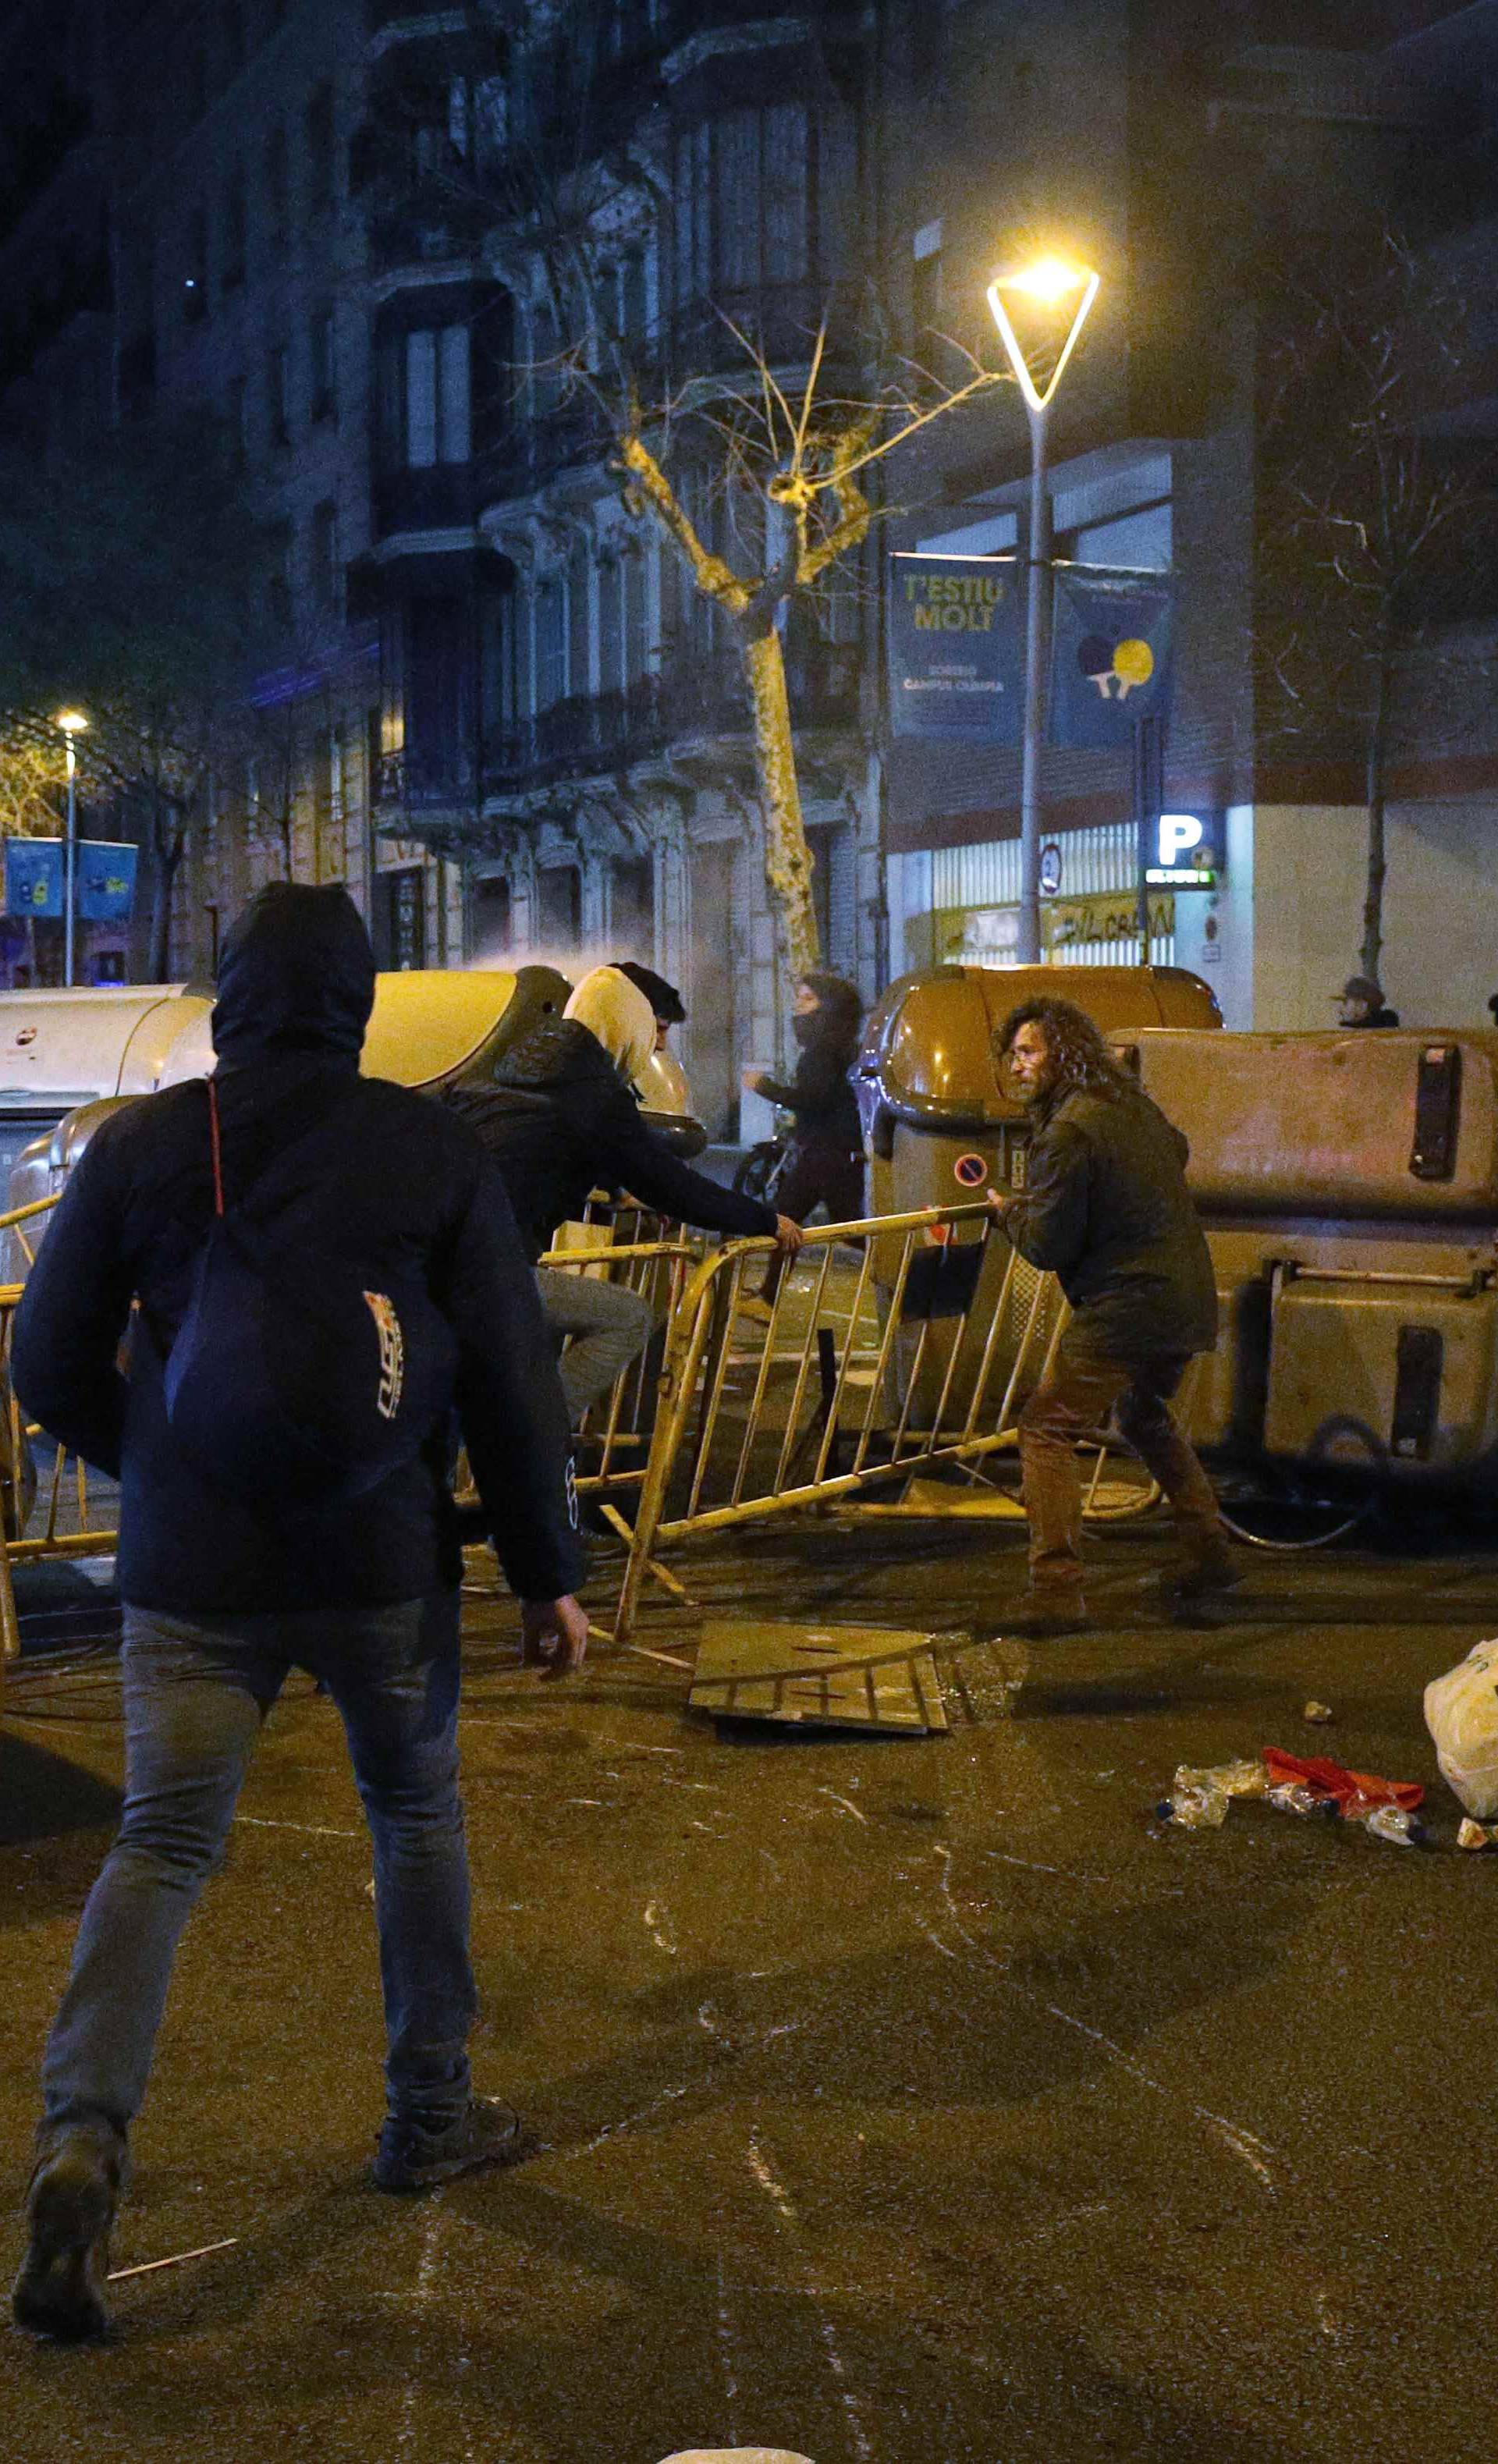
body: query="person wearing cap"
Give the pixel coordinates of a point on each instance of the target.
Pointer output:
(559, 1118)
(1362, 1004)
(669, 1009)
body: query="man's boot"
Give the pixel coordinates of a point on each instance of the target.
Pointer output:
(1207, 1567)
(1046, 1610)
(70, 2207)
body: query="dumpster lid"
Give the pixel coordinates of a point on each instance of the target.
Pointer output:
(928, 1043)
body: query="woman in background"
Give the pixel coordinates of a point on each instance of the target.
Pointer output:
(825, 1166)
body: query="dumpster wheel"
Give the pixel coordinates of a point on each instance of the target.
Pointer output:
(1329, 1445)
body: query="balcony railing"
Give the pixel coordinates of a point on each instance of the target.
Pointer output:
(612, 731)
(697, 704)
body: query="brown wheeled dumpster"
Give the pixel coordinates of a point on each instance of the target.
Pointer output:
(938, 1126)
(1348, 1184)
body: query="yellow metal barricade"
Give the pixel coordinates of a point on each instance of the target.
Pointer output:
(900, 1358)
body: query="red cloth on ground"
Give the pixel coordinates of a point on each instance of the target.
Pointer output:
(1334, 1779)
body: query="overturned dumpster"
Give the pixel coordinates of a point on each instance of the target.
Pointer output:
(1349, 1188)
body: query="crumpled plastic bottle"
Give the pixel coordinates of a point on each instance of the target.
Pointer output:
(1392, 1822)
(1195, 1801)
(1245, 1778)
(1293, 1796)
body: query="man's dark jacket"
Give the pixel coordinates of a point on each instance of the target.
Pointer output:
(1107, 1209)
(379, 1174)
(560, 1122)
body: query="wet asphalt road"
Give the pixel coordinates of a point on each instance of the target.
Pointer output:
(904, 2102)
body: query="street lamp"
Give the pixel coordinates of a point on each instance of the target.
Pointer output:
(1050, 286)
(73, 723)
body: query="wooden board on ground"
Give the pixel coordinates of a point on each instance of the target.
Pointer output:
(822, 1676)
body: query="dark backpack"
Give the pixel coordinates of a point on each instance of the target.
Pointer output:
(299, 1378)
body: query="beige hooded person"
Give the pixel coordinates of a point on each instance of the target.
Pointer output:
(617, 1012)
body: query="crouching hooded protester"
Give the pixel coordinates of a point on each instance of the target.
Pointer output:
(315, 1268)
(560, 1117)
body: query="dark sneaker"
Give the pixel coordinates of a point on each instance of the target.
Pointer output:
(413, 2156)
(1043, 1613)
(71, 2206)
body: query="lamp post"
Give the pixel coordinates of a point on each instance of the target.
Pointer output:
(72, 723)
(1049, 285)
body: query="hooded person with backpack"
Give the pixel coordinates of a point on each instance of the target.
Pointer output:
(311, 1269)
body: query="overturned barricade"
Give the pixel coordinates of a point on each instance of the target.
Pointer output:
(908, 1349)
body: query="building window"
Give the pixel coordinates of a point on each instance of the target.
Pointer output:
(324, 368)
(926, 280)
(278, 198)
(551, 650)
(279, 375)
(437, 420)
(327, 571)
(233, 272)
(322, 155)
(491, 924)
(743, 192)
(194, 280)
(400, 919)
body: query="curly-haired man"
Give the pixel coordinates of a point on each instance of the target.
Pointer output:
(1106, 1208)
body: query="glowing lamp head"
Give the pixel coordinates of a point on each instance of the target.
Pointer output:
(1049, 281)
(72, 723)
(1050, 284)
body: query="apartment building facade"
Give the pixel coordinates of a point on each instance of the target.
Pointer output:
(499, 709)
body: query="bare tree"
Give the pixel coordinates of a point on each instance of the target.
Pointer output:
(33, 782)
(789, 464)
(1378, 525)
(765, 444)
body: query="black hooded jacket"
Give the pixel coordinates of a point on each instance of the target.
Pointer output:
(560, 1122)
(819, 1094)
(380, 1173)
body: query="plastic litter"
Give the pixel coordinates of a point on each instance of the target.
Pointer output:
(1355, 1793)
(1293, 1796)
(1195, 1805)
(1317, 1714)
(1200, 1800)
(1475, 1835)
(1394, 1823)
(1461, 1715)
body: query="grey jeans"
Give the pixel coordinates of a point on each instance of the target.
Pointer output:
(196, 1694)
(608, 1324)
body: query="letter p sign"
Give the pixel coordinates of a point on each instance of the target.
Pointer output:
(1178, 831)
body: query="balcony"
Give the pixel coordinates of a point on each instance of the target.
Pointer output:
(696, 704)
(418, 785)
(442, 498)
(536, 450)
(779, 319)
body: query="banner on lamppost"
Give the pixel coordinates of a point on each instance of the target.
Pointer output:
(106, 880)
(33, 877)
(956, 648)
(1111, 656)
